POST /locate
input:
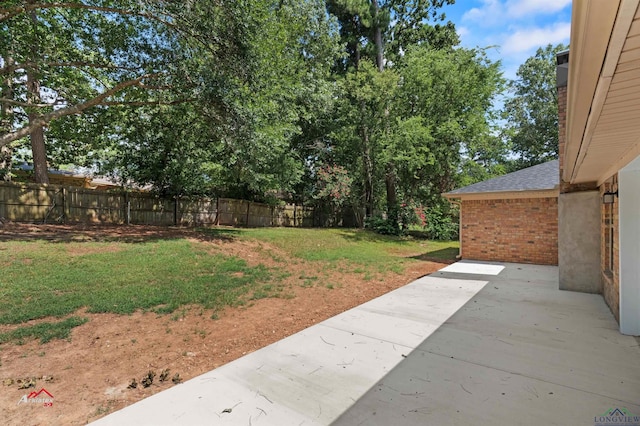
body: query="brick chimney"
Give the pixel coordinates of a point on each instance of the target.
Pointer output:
(562, 77)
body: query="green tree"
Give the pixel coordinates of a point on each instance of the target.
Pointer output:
(61, 59)
(242, 134)
(422, 114)
(185, 96)
(531, 112)
(363, 109)
(443, 108)
(293, 46)
(379, 32)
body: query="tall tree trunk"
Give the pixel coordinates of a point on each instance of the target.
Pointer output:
(390, 173)
(6, 157)
(377, 36)
(367, 166)
(392, 196)
(6, 122)
(355, 47)
(38, 148)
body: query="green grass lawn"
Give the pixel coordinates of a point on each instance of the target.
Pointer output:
(342, 244)
(357, 247)
(44, 279)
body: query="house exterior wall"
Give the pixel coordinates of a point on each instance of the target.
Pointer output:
(579, 227)
(629, 236)
(579, 217)
(562, 133)
(566, 187)
(510, 230)
(610, 248)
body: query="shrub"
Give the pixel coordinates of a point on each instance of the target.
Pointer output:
(383, 226)
(441, 223)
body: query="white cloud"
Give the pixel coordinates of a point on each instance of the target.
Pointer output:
(494, 11)
(519, 8)
(516, 28)
(525, 39)
(463, 32)
(487, 14)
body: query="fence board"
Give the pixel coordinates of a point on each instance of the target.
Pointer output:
(25, 202)
(232, 212)
(85, 205)
(202, 211)
(147, 209)
(54, 203)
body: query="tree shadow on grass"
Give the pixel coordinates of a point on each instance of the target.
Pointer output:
(78, 233)
(447, 255)
(364, 235)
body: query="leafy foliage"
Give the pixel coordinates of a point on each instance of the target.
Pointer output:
(409, 105)
(444, 107)
(254, 99)
(334, 183)
(442, 223)
(532, 112)
(419, 116)
(383, 226)
(60, 59)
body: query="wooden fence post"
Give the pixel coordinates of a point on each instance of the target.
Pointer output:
(248, 209)
(217, 221)
(66, 208)
(175, 211)
(127, 207)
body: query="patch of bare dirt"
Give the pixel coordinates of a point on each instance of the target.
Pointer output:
(90, 375)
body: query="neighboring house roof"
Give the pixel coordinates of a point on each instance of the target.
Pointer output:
(79, 179)
(543, 178)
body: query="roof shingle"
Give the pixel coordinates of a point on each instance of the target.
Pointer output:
(541, 177)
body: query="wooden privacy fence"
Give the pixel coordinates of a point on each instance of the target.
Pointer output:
(53, 203)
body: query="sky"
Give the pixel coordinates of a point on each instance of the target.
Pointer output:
(514, 28)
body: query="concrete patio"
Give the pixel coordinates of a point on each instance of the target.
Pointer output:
(475, 343)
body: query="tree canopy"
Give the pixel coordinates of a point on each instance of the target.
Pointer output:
(367, 107)
(532, 110)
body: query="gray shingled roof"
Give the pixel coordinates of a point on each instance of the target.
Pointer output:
(544, 176)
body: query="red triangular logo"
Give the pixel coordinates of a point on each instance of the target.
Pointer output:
(37, 394)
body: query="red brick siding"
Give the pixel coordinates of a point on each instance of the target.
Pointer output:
(562, 137)
(562, 125)
(610, 270)
(513, 230)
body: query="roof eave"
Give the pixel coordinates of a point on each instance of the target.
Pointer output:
(599, 30)
(507, 195)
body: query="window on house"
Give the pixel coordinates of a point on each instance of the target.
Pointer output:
(609, 233)
(606, 237)
(611, 237)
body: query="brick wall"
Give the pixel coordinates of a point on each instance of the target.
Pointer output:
(562, 125)
(511, 230)
(610, 262)
(562, 135)
(562, 139)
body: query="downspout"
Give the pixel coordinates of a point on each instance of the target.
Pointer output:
(458, 202)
